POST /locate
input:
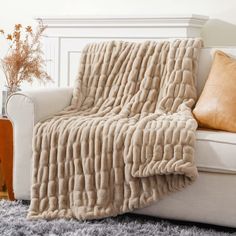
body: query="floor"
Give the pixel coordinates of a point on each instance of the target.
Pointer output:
(13, 221)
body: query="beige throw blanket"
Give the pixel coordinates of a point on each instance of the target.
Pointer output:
(128, 137)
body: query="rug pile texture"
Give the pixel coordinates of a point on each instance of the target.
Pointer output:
(128, 137)
(13, 222)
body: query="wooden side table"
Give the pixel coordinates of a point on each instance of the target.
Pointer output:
(6, 153)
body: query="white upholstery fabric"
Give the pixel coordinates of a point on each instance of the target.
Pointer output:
(20, 110)
(215, 151)
(26, 109)
(211, 199)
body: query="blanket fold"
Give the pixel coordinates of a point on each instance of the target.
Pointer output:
(128, 137)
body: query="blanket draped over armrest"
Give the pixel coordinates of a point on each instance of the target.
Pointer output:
(128, 137)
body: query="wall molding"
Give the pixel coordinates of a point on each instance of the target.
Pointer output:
(190, 20)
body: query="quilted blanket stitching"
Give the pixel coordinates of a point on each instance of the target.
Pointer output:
(127, 139)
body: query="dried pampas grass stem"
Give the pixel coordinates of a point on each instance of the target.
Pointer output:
(24, 60)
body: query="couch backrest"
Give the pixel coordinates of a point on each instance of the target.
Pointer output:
(205, 62)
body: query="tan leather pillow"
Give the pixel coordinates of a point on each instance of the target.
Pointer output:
(216, 107)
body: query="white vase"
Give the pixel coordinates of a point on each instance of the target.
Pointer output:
(6, 92)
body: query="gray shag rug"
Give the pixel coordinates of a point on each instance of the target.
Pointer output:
(13, 222)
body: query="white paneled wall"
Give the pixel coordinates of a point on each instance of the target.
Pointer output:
(220, 30)
(66, 37)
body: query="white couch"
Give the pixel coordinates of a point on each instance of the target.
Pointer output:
(211, 199)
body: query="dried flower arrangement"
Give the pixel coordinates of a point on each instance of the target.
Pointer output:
(24, 60)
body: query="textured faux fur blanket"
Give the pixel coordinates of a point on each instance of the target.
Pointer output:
(128, 137)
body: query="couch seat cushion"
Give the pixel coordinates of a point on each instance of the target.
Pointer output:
(216, 151)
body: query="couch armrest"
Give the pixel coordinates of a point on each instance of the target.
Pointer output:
(38, 104)
(25, 109)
